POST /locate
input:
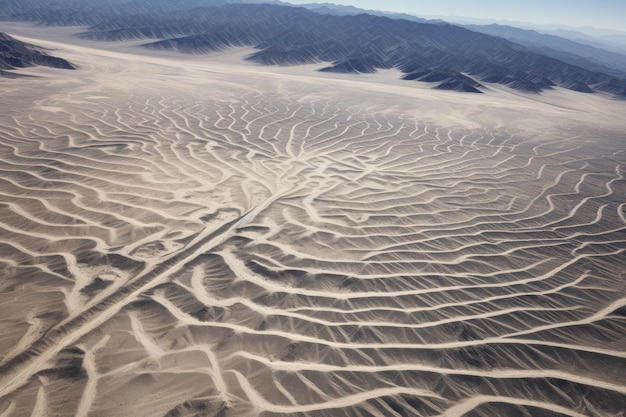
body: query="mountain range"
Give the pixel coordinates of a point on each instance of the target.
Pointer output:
(573, 46)
(449, 56)
(17, 54)
(575, 53)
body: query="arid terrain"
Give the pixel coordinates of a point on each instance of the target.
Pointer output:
(190, 235)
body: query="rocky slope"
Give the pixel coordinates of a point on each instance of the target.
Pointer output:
(17, 54)
(286, 35)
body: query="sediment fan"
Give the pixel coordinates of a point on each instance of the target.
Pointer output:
(273, 254)
(211, 238)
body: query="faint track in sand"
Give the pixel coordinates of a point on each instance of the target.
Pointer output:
(18, 370)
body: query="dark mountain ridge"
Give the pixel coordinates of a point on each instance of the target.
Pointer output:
(341, 10)
(360, 43)
(17, 54)
(566, 50)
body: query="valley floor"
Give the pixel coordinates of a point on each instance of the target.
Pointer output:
(198, 235)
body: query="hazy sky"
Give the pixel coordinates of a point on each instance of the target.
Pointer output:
(609, 14)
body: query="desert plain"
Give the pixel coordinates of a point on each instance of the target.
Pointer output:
(190, 235)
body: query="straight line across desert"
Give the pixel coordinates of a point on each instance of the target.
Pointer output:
(201, 235)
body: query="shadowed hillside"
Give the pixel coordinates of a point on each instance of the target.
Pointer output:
(353, 43)
(17, 54)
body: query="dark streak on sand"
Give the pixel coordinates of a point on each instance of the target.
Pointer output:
(11, 371)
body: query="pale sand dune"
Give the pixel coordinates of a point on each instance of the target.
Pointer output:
(201, 236)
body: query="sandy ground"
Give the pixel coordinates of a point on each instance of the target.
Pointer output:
(202, 236)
